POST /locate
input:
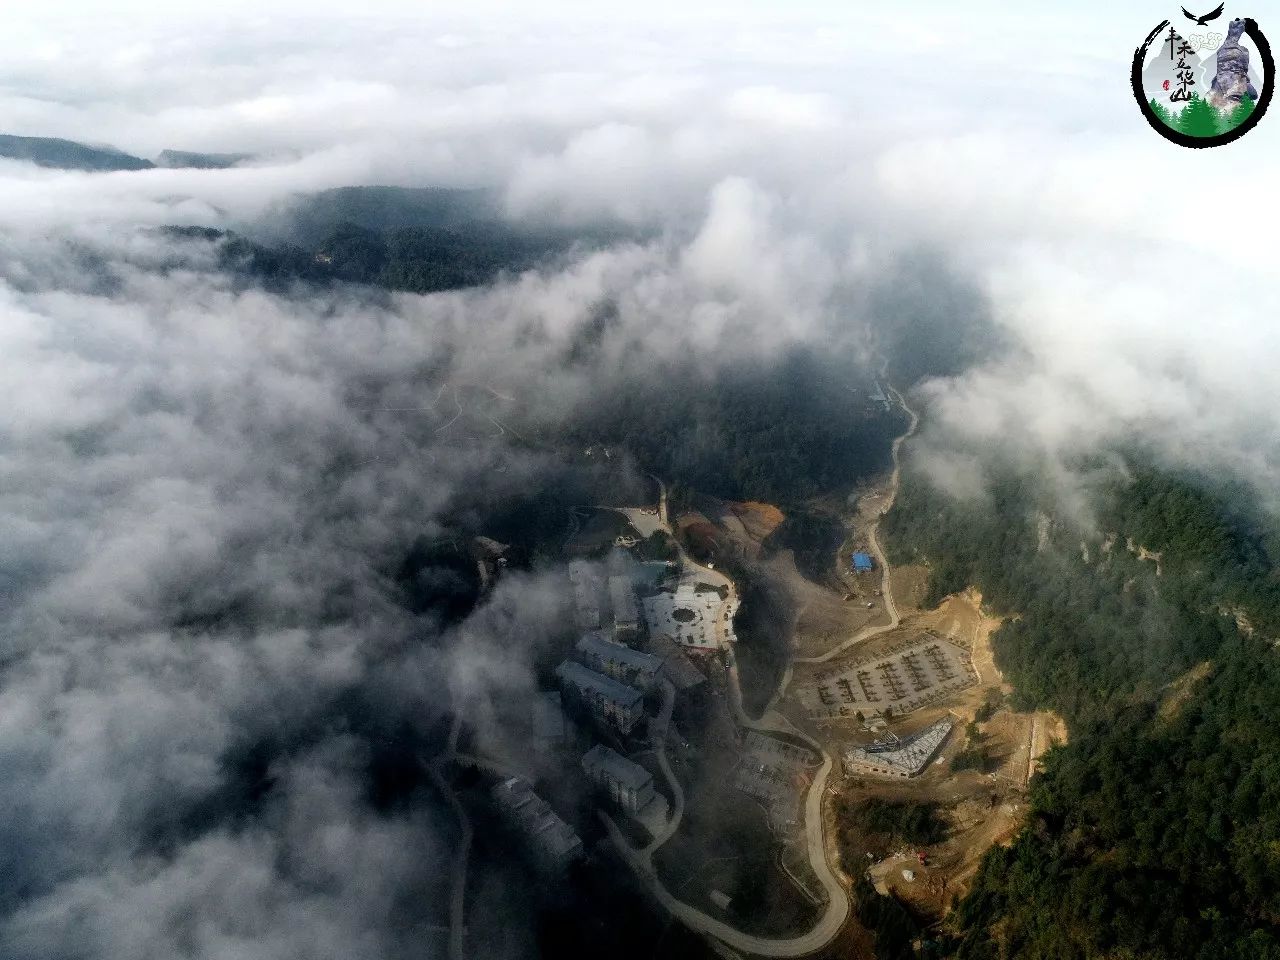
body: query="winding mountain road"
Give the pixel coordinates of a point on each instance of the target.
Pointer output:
(458, 871)
(658, 738)
(837, 909)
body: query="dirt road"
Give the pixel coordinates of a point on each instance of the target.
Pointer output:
(886, 588)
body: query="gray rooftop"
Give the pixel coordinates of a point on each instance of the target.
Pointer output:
(548, 717)
(535, 817)
(909, 755)
(595, 643)
(616, 767)
(676, 665)
(598, 683)
(623, 597)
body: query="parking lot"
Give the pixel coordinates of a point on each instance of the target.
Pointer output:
(774, 773)
(914, 674)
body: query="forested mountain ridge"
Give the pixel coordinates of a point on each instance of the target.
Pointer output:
(414, 240)
(413, 260)
(59, 154)
(1155, 833)
(62, 154)
(783, 431)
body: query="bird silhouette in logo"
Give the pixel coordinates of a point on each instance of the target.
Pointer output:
(1211, 15)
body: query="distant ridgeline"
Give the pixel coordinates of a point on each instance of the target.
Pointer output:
(1155, 833)
(58, 154)
(418, 240)
(68, 155)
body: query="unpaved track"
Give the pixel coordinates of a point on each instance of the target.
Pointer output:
(886, 588)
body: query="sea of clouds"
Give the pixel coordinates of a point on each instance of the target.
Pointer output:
(203, 486)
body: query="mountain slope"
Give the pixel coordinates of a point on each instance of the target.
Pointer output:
(59, 154)
(1154, 834)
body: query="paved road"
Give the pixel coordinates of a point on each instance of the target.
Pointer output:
(658, 737)
(816, 938)
(837, 910)
(458, 875)
(646, 524)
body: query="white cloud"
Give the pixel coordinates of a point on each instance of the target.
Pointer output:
(198, 496)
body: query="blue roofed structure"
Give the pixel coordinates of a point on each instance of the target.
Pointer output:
(863, 561)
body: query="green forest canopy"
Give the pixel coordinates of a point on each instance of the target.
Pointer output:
(1153, 834)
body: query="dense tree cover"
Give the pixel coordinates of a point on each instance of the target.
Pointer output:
(1199, 119)
(1239, 114)
(1155, 833)
(192, 160)
(973, 755)
(898, 822)
(311, 218)
(781, 432)
(438, 576)
(412, 259)
(419, 240)
(892, 924)
(1162, 113)
(425, 259)
(763, 627)
(658, 546)
(927, 319)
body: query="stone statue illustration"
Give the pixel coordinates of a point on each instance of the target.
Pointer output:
(1231, 82)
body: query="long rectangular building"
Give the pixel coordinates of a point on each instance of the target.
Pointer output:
(629, 785)
(611, 701)
(632, 667)
(626, 613)
(550, 840)
(587, 587)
